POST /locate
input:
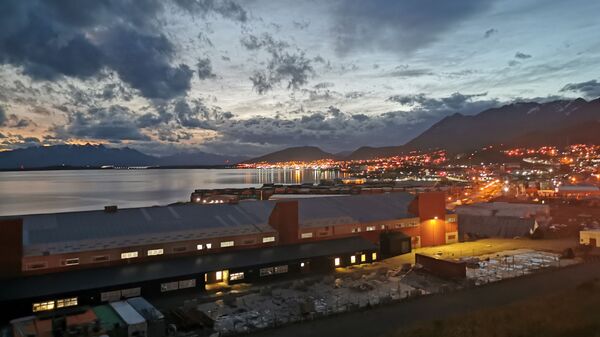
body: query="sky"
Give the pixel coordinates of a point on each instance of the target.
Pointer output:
(250, 77)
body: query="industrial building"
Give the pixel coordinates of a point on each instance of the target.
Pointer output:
(53, 261)
(500, 219)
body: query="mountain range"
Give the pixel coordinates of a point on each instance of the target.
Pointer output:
(560, 122)
(100, 155)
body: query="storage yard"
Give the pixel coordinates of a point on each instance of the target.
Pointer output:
(358, 287)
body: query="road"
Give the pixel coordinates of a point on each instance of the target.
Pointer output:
(383, 320)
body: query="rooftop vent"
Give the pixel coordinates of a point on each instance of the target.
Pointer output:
(110, 209)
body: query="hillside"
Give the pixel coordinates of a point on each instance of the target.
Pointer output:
(100, 155)
(555, 123)
(300, 153)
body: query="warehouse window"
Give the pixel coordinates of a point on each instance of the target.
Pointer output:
(268, 239)
(191, 283)
(153, 252)
(37, 265)
(280, 269)
(169, 286)
(266, 271)
(208, 245)
(382, 227)
(43, 306)
(219, 276)
(352, 259)
(306, 235)
(227, 244)
(370, 228)
(363, 258)
(374, 256)
(129, 255)
(236, 276)
(453, 219)
(356, 230)
(101, 258)
(72, 262)
(66, 302)
(336, 262)
(199, 247)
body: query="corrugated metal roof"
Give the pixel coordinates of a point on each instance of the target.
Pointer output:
(91, 230)
(354, 209)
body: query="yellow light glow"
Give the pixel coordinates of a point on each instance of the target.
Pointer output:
(336, 261)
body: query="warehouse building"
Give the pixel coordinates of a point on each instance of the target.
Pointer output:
(52, 261)
(500, 219)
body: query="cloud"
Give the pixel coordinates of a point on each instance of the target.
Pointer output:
(204, 69)
(13, 121)
(114, 123)
(522, 56)
(591, 89)
(406, 72)
(398, 26)
(488, 33)
(293, 68)
(81, 39)
(457, 102)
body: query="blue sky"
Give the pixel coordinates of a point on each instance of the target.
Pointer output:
(255, 76)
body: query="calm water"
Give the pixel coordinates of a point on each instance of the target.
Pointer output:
(54, 191)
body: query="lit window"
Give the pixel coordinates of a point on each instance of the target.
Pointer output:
(374, 256)
(281, 269)
(227, 244)
(72, 262)
(236, 276)
(43, 306)
(306, 235)
(382, 227)
(352, 259)
(208, 245)
(336, 262)
(153, 252)
(66, 302)
(268, 239)
(356, 230)
(370, 228)
(302, 264)
(363, 258)
(199, 247)
(219, 276)
(129, 255)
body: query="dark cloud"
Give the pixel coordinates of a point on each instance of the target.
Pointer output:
(284, 66)
(406, 72)
(513, 63)
(114, 123)
(457, 102)
(398, 26)
(324, 85)
(3, 117)
(204, 69)
(48, 39)
(488, 33)
(522, 56)
(590, 89)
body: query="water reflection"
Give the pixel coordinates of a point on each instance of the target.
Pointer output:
(54, 191)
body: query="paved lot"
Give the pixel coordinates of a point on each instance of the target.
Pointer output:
(383, 320)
